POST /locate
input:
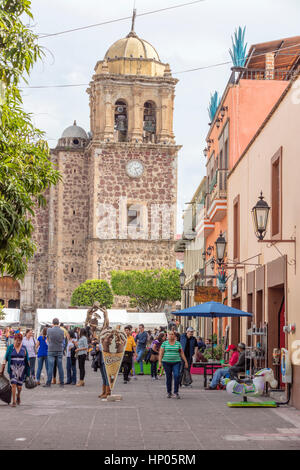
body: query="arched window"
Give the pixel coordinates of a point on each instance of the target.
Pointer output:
(121, 121)
(9, 291)
(149, 124)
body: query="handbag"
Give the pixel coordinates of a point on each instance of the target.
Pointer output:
(5, 389)
(187, 378)
(153, 357)
(30, 382)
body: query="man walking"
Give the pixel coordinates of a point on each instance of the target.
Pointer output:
(141, 342)
(190, 348)
(55, 338)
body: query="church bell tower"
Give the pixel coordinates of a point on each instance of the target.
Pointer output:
(132, 160)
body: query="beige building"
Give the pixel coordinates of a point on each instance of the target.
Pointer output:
(115, 207)
(268, 286)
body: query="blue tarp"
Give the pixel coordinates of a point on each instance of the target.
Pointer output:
(211, 310)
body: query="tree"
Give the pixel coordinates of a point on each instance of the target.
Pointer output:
(93, 290)
(149, 290)
(26, 171)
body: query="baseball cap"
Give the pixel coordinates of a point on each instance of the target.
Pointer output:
(230, 347)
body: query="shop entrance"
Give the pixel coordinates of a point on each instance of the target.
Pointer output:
(276, 320)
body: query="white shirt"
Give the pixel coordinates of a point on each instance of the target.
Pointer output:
(30, 346)
(70, 345)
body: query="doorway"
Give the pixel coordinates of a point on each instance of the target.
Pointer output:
(276, 319)
(236, 323)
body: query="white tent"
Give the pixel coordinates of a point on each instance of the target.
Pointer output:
(76, 316)
(148, 319)
(12, 317)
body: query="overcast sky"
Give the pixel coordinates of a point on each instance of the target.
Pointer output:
(188, 37)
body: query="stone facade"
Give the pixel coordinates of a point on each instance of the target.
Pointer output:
(99, 211)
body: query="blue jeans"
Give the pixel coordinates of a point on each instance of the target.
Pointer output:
(71, 372)
(103, 374)
(172, 369)
(51, 358)
(140, 350)
(218, 375)
(41, 361)
(32, 366)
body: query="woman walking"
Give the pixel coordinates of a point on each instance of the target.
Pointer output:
(42, 348)
(30, 344)
(18, 367)
(155, 347)
(82, 348)
(71, 359)
(170, 356)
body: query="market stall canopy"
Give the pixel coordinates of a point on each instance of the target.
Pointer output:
(77, 316)
(12, 317)
(211, 310)
(148, 319)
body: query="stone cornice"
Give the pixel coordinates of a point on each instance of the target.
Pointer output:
(172, 148)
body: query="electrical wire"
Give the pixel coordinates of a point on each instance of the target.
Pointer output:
(120, 19)
(182, 71)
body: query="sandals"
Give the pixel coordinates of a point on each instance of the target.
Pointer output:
(13, 405)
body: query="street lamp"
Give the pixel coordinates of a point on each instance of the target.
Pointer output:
(260, 214)
(99, 265)
(182, 278)
(220, 248)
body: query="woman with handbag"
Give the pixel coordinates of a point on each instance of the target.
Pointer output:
(18, 367)
(155, 347)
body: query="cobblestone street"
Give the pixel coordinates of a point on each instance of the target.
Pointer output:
(74, 418)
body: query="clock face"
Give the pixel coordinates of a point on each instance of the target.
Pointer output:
(134, 168)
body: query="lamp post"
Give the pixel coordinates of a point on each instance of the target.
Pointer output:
(220, 248)
(260, 214)
(99, 265)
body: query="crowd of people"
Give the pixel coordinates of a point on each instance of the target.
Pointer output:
(168, 352)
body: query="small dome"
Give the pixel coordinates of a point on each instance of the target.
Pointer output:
(74, 132)
(132, 47)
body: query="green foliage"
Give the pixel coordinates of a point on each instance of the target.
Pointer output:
(2, 314)
(216, 354)
(93, 290)
(149, 290)
(25, 168)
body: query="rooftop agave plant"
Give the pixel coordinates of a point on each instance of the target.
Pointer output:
(238, 51)
(213, 105)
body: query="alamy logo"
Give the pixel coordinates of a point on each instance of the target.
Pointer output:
(135, 221)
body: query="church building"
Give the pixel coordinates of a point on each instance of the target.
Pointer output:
(115, 207)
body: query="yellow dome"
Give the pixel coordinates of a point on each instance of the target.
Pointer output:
(132, 47)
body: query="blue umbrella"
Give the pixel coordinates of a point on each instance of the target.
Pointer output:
(212, 310)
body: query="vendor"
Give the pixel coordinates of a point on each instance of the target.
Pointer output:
(233, 359)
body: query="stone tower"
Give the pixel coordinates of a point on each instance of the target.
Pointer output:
(115, 207)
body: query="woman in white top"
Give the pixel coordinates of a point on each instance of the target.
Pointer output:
(82, 348)
(30, 344)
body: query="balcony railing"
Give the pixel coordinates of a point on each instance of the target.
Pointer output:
(217, 187)
(240, 73)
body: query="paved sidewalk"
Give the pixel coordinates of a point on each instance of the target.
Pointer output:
(74, 418)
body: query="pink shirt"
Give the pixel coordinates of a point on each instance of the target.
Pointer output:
(234, 358)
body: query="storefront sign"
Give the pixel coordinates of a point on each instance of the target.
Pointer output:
(113, 343)
(207, 294)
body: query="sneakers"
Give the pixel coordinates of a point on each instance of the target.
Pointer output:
(47, 385)
(169, 395)
(177, 396)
